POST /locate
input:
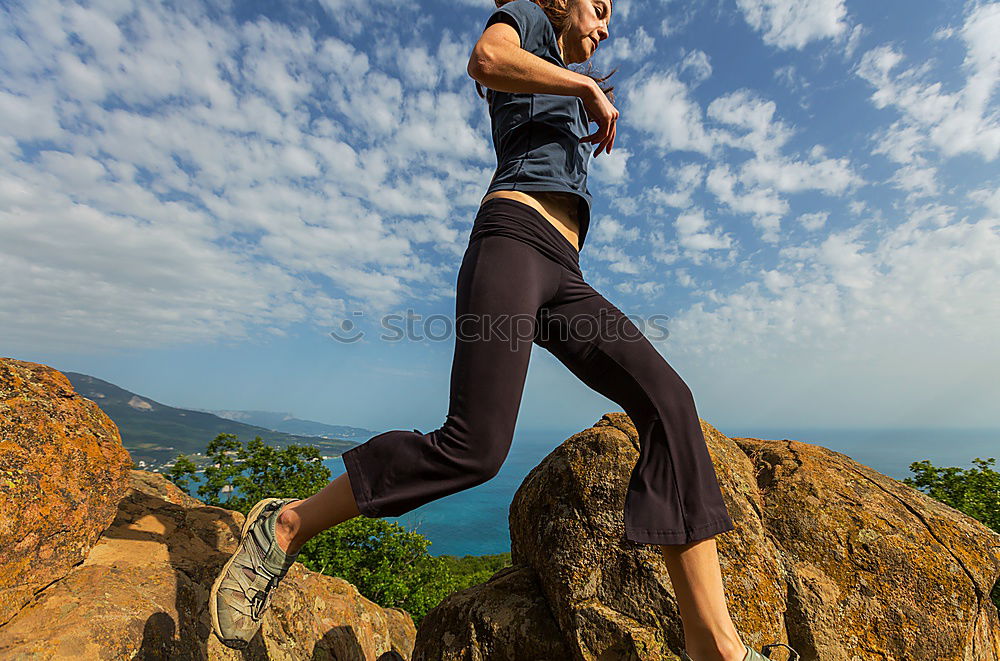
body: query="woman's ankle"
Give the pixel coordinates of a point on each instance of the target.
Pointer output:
(719, 650)
(736, 652)
(287, 528)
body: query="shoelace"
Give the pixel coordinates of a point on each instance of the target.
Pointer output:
(792, 654)
(260, 600)
(262, 597)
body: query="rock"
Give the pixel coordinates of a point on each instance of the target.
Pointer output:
(828, 556)
(63, 471)
(505, 618)
(142, 592)
(98, 561)
(874, 568)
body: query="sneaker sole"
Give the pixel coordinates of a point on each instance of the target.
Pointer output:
(212, 599)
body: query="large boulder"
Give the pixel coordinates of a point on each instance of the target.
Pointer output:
(506, 618)
(142, 593)
(828, 555)
(99, 561)
(62, 472)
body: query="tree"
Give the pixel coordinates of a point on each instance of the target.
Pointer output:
(294, 471)
(391, 563)
(180, 470)
(387, 563)
(975, 492)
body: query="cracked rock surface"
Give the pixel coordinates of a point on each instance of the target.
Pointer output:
(829, 556)
(134, 582)
(62, 472)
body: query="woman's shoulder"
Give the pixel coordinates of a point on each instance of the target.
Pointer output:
(532, 24)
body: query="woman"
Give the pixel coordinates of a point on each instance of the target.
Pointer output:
(520, 284)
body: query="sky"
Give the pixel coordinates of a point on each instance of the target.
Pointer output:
(196, 197)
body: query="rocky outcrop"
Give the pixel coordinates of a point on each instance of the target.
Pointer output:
(829, 556)
(62, 472)
(105, 562)
(142, 592)
(506, 618)
(98, 561)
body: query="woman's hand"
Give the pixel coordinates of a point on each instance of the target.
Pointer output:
(600, 110)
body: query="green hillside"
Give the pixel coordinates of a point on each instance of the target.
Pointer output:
(288, 423)
(156, 433)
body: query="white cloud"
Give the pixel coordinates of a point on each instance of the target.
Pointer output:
(632, 45)
(789, 76)
(660, 105)
(611, 169)
(698, 65)
(695, 235)
(762, 202)
(988, 198)
(795, 23)
(611, 230)
(769, 172)
(952, 123)
(618, 260)
(676, 16)
(776, 281)
(854, 39)
(182, 153)
(636, 287)
(847, 263)
(685, 180)
(684, 278)
(746, 110)
(917, 181)
(814, 221)
(831, 176)
(835, 317)
(29, 118)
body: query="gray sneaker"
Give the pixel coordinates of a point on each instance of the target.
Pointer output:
(753, 655)
(242, 592)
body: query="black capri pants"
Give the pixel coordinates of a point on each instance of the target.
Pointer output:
(520, 284)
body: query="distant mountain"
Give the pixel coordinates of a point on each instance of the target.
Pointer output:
(288, 423)
(156, 433)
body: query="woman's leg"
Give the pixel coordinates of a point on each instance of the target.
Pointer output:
(673, 498)
(709, 632)
(302, 520)
(502, 283)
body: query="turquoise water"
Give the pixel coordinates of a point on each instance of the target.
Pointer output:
(475, 521)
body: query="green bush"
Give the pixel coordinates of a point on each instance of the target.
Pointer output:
(386, 563)
(474, 569)
(295, 471)
(975, 492)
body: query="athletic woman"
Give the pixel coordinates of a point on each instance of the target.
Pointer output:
(520, 284)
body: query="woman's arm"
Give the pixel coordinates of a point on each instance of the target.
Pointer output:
(499, 63)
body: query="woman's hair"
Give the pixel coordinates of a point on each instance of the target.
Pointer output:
(558, 14)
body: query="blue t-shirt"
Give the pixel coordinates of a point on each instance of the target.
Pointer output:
(537, 136)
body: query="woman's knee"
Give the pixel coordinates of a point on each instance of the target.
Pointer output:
(659, 391)
(479, 454)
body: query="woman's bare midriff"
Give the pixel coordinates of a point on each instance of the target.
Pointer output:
(560, 209)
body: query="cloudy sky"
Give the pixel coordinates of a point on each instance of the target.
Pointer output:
(194, 195)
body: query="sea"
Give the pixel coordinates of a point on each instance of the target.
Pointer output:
(475, 521)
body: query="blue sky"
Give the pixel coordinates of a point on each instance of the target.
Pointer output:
(193, 196)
